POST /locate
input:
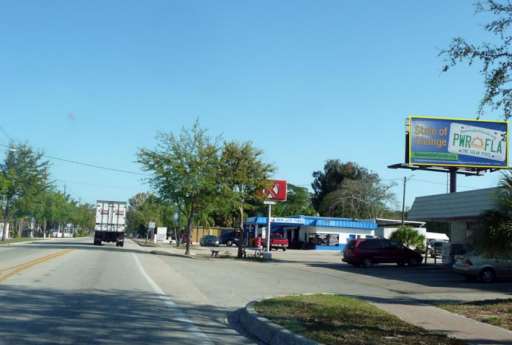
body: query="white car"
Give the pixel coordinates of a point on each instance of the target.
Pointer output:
(483, 268)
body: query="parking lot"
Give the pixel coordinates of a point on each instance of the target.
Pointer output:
(309, 268)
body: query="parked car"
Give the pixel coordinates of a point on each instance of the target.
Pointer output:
(366, 252)
(229, 238)
(474, 266)
(209, 241)
(277, 241)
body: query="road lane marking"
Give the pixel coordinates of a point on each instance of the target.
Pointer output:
(180, 315)
(9, 272)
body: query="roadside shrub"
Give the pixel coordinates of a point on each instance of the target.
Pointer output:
(496, 238)
(409, 238)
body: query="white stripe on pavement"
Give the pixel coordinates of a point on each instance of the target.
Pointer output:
(180, 316)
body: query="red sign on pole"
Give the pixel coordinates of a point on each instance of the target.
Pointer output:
(277, 190)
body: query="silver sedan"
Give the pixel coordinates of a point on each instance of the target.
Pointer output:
(483, 268)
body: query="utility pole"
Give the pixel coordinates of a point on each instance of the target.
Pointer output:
(403, 197)
(403, 200)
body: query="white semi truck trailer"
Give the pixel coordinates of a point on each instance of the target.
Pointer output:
(110, 222)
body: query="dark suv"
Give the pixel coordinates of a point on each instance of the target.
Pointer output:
(229, 238)
(367, 252)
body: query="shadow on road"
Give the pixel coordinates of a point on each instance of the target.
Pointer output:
(426, 275)
(48, 316)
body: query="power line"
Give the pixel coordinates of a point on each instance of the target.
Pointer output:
(90, 165)
(4, 132)
(94, 184)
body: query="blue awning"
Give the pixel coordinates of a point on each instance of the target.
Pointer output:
(323, 222)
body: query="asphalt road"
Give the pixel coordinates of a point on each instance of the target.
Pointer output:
(98, 295)
(71, 292)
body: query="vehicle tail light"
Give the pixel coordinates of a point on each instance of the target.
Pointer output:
(468, 262)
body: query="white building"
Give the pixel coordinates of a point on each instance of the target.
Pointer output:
(462, 211)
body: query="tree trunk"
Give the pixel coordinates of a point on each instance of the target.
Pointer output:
(189, 234)
(6, 223)
(241, 242)
(20, 228)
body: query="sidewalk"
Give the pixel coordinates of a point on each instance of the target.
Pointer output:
(453, 325)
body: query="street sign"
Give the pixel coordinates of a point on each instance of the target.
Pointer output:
(277, 190)
(161, 234)
(151, 225)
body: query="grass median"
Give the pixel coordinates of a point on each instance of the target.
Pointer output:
(494, 312)
(19, 239)
(339, 320)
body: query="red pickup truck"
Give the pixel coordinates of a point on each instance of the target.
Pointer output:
(278, 242)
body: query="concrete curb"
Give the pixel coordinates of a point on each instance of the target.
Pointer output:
(267, 331)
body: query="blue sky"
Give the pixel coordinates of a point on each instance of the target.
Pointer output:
(306, 81)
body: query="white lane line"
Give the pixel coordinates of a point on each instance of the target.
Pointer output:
(180, 316)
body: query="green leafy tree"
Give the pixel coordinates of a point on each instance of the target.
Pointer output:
(363, 198)
(331, 177)
(84, 217)
(25, 174)
(349, 190)
(495, 239)
(184, 169)
(297, 203)
(142, 209)
(495, 58)
(242, 175)
(409, 237)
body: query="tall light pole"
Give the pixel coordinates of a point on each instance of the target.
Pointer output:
(267, 255)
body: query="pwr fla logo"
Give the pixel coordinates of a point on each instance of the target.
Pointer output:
(277, 190)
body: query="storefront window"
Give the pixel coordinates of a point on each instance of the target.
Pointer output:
(324, 239)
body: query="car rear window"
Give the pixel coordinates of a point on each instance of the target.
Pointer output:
(370, 244)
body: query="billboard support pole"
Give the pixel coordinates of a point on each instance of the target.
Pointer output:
(453, 180)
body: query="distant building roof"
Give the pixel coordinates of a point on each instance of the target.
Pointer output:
(452, 206)
(325, 222)
(383, 222)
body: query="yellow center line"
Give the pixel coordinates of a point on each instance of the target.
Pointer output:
(9, 272)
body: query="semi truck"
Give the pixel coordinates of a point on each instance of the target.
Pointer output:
(110, 222)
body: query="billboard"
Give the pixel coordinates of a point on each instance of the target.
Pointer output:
(277, 190)
(451, 142)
